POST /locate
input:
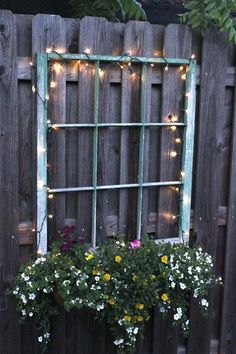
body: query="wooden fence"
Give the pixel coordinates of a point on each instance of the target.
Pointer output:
(214, 195)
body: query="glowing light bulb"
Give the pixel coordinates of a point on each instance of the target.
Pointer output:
(50, 216)
(33, 89)
(31, 63)
(174, 118)
(133, 75)
(173, 154)
(173, 128)
(53, 84)
(152, 65)
(47, 97)
(87, 50)
(193, 56)
(33, 230)
(183, 77)
(174, 217)
(166, 67)
(57, 68)
(48, 50)
(86, 64)
(48, 121)
(101, 72)
(181, 68)
(50, 196)
(178, 140)
(182, 173)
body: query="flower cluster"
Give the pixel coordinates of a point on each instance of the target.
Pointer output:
(119, 281)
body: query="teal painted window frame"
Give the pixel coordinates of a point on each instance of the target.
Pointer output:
(188, 125)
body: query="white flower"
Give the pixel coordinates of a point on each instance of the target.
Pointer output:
(15, 292)
(198, 269)
(172, 284)
(46, 335)
(97, 278)
(32, 296)
(118, 341)
(205, 303)
(31, 314)
(45, 290)
(177, 317)
(23, 312)
(40, 339)
(135, 331)
(190, 270)
(77, 282)
(179, 311)
(56, 275)
(182, 286)
(66, 282)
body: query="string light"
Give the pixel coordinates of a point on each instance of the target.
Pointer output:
(101, 72)
(47, 97)
(31, 63)
(187, 111)
(33, 89)
(152, 65)
(50, 216)
(173, 154)
(174, 119)
(178, 140)
(53, 84)
(33, 230)
(133, 75)
(173, 128)
(50, 196)
(57, 68)
(183, 77)
(167, 67)
(87, 50)
(39, 253)
(48, 121)
(188, 94)
(86, 64)
(182, 173)
(181, 68)
(193, 56)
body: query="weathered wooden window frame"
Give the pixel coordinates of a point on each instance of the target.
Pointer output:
(185, 183)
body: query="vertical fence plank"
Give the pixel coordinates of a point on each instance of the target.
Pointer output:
(137, 41)
(9, 327)
(208, 177)
(177, 43)
(228, 326)
(49, 32)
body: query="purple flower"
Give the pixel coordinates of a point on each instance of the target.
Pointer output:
(135, 244)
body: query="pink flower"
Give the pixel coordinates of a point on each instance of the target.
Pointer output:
(135, 244)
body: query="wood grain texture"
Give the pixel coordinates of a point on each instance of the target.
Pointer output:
(49, 32)
(228, 328)
(9, 210)
(209, 171)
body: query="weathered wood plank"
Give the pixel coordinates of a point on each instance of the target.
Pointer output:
(9, 327)
(228, 328)
(49, 33)
(209, 170)
(177, 42)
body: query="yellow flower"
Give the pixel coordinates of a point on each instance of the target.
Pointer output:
(139, 306)
(88, 256)
(95, 272)
(164, 259)
(111, 301)
(164, 297)
(127, 318)
(153, 277)
(135, 277)
(139, 318)
(106, 277)
(118, 259)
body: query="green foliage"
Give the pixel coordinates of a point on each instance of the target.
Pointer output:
(110, 9)
(204, 13)
(118, 281)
